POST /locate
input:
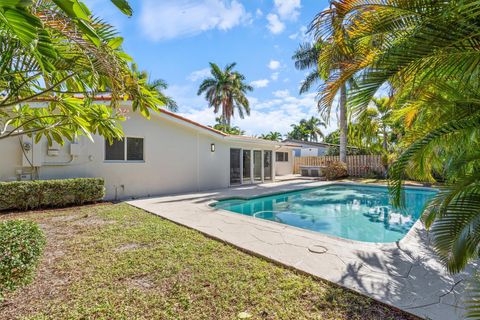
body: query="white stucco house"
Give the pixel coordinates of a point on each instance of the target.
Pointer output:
(166, 154)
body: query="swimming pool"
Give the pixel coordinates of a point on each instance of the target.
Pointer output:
(356, 212)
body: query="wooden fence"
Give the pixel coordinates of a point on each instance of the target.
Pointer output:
(358, 166)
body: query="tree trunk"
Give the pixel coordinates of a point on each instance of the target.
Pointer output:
(385, 144)
(224, 114)
(343, 124)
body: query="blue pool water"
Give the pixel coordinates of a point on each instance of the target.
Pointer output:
(354, 212)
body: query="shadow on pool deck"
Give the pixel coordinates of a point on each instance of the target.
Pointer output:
(406, 274)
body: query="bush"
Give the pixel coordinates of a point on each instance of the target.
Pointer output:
(21, 244)
(25, 195)
(336, 170)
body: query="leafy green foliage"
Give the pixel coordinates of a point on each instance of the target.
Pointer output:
(426, 54)
(157, 85)
(25, 195)
(335, 170)
(226, 128)
(21, 245)
(226, 90)
(272, 135)
(56, 53)
(307, 130)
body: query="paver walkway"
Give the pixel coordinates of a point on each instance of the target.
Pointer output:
(406, 274)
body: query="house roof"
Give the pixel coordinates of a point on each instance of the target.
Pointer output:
(238, 138)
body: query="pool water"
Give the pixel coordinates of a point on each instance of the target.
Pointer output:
(353, 212)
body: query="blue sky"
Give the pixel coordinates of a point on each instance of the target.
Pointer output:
(175, 39)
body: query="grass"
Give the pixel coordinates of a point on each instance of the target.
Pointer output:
(117, 262)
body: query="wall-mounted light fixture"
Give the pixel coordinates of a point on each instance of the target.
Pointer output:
(212, 147)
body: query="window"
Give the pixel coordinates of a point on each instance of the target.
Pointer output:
(132, 150)
(115, 151)
(281, 156)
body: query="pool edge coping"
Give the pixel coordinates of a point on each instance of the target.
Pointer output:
(418, 226)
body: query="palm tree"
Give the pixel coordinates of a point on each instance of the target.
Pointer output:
(157, 85)
(306, 58)
(312, 126)
(427, 51)
(333, 51)
(307, 130)
(272, 135)
(226, 90)
(299, 132)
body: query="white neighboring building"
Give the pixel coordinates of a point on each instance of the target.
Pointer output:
(164, 155)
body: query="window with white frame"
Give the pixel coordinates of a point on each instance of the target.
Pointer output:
(281, 156)
(129, 149)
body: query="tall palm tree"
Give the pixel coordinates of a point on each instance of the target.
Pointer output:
(334, 50)
(226, 90)
(157, 85)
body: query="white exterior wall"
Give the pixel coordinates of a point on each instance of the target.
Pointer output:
(309, 152)
(177, 158)
(284, 167)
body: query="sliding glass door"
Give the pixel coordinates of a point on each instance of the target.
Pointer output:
(257, 165)
(235, 166)
(267, 165)
(247, 166)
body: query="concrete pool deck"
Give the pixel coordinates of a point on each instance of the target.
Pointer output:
(406, 274)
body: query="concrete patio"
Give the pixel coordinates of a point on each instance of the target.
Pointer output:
(406, 274)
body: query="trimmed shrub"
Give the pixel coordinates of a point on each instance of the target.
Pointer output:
(21, 245)
(25, 195)
(336, 170)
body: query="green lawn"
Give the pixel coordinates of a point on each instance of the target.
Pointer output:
(118, 262)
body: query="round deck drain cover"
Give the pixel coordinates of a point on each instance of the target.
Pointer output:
(316, 248)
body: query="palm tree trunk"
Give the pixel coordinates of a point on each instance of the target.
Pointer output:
(224, 114)
(343, 124)
(385, 145)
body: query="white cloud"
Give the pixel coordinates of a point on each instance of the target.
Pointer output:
(274, 24)
(262, 83)
(168, 19)
(274, 64)
(274, 76)
(276, 114)
(287, 9)
(258, 13)
(301, 34)
(281, 93)
(199, 74)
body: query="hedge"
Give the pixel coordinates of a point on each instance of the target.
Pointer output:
(25, 195)
(21, 244)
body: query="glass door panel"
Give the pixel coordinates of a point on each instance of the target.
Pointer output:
(257, 165)
(267, 165)
(247, 165)
(235, 166)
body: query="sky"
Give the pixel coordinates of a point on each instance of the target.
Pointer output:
(176, 39)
